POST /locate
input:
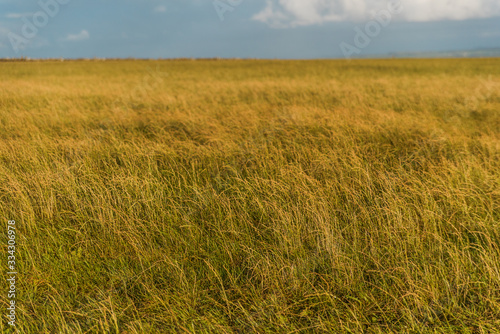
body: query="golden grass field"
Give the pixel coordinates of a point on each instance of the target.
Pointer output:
(253, 196)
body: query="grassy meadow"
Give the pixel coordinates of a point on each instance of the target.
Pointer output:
(245, 196)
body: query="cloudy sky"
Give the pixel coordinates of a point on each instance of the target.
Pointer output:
(244, 28)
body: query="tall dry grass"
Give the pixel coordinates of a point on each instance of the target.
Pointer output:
(253, 196)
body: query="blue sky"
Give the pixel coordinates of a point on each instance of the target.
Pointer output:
(244, 28)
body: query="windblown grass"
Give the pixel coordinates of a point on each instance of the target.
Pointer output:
(253, 196)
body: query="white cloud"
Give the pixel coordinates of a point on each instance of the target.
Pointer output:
(160, 9)
(434, 10)
(17, 15)
(83, 35)
(292, 13)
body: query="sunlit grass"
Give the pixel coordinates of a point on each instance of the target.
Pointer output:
(253, 196)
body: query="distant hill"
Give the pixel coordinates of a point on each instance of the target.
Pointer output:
(477, 53)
